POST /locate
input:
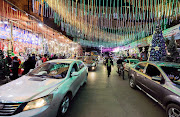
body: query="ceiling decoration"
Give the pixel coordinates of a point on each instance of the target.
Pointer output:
(109, 23)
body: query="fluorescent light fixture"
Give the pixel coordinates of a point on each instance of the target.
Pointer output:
(40, 24)
(13, 9)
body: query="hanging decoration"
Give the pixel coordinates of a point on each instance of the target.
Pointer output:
(118, 21)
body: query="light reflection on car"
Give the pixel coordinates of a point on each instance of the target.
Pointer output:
(161, 82)
(44, 92)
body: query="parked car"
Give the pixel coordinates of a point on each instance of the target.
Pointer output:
(45, 91)
(161, 82)
(129, 63)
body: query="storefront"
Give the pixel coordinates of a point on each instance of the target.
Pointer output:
(22, 33)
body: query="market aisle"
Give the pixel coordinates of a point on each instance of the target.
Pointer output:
(111, 97)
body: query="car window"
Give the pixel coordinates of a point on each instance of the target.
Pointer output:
(173, 73)
(134, 61)
(152, 71)
(140, 67)
(53, 69)
(81, 65)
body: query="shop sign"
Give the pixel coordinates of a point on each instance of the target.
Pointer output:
(175, 30)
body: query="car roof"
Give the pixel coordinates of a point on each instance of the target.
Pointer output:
(63, 60)
(162, 63)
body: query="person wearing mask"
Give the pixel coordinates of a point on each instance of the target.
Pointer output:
(38, 62)
(109, 62)
(15, 67)
(29, 64)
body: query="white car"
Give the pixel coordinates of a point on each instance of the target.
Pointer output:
(45, 91)
(129, 63)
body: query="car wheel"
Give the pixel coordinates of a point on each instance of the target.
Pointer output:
(132, 83)
(64, 106)
(173, 110)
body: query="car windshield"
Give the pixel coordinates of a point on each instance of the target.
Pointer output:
(79, 58)
(173, 73)
(52, 70)
(134, 61)
(88, 59)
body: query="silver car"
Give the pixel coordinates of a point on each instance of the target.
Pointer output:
(46, 91)
(161, 82)
(129, 63)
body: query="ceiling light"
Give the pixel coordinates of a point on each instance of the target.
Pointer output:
(40, 24)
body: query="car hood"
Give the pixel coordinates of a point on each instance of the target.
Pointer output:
(27, 88)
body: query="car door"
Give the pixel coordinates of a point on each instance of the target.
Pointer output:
(154, 88)
(74, 79)
(82, 71)
(139, 74)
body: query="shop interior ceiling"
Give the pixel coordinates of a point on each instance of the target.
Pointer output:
(108, 23)
(24, 21)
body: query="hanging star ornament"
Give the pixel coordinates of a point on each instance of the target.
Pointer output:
(143, 49)
(156, 48)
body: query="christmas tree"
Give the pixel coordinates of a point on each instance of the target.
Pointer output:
(157, 49)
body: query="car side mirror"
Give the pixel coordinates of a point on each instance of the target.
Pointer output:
(157, 78)
(74, 74)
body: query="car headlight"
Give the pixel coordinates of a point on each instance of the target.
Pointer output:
(38, 103)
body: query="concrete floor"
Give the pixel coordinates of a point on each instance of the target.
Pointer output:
(111, 97)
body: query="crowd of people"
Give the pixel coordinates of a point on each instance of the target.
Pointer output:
(10, 66)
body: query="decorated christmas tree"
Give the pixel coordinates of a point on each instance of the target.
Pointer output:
(157, 48)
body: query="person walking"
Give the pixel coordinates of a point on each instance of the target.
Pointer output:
(4, 69)
(15, 67)
(109, 62)
(44, 59)
(38, 62)
(29, 64)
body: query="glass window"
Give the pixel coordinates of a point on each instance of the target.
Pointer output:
(80, 64)
(134, 61)
(79, 58)
(173, 73)
(152, 71)
(140, 67)
(53, 70)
